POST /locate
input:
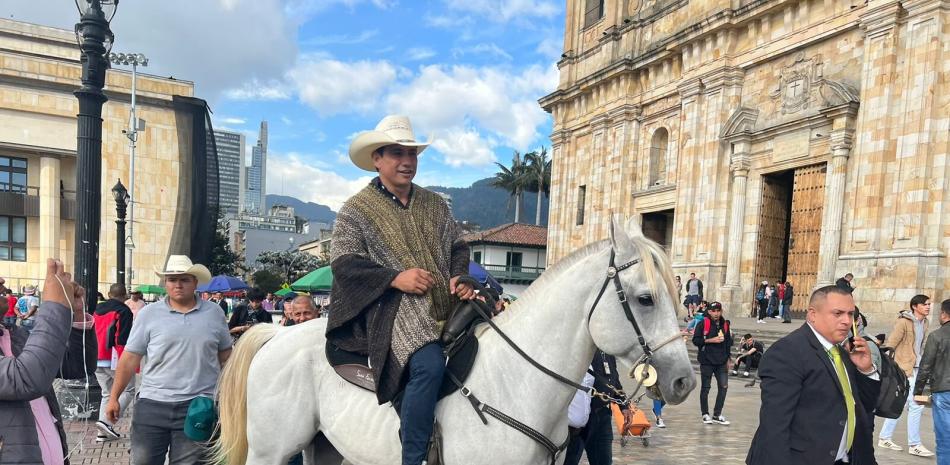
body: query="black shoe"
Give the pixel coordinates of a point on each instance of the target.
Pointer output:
(107, 431)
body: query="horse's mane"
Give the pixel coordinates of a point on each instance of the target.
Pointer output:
(658, 271)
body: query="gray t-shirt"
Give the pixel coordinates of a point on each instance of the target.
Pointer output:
(692, 287)
(180, 350)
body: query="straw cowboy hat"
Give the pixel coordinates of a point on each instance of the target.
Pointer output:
(392, 130)
(181, 264)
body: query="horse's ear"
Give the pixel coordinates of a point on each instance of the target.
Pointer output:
(618, 234)
(633, 226)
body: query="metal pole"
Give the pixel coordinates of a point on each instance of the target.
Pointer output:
(120, 207)
(133, 137)
(94, 29)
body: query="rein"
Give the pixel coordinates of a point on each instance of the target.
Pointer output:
(644, 363)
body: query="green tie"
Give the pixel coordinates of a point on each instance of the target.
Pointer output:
(846, 387)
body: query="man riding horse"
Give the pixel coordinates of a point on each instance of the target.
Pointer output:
(396, 257)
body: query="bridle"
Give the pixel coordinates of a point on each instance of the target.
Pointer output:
(642, 369)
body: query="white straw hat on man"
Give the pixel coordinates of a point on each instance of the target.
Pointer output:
(181, 264)
(392, 130)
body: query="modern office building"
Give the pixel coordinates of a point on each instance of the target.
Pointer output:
(230, 146)
(256, 188)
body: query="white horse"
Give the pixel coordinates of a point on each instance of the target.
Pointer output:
(282, 397)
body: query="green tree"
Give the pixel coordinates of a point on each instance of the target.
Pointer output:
(513, 179)
(224, 260)
(290, 265)
(539, 177)
(267, 280)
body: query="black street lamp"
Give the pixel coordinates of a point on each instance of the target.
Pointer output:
(121, 195)
(95, 40)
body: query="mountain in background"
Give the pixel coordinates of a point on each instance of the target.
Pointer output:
(489, 206)
(479, 203)
(309, 210)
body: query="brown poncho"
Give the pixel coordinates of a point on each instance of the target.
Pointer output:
(374, 239)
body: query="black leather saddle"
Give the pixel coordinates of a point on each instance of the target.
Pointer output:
(461, 354)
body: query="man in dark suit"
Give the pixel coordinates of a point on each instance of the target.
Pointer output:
(818, 391)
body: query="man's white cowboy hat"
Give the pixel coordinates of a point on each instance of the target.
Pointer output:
(392, 130)
(181, 264)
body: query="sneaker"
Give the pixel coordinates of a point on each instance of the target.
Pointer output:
(659, 423)
(734, 373)
(101, 438)
(776, 317)
(888, 444)
(707, 419)
(745, 374)
(920, 451)
(107, 431)
(760, 321)
(721, 420)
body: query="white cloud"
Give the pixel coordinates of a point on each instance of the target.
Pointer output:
(330, 86)
(551, 47)
(506, 10)
(297, 175)
(341, 39)
(464, 147)
(256, 90)
(482, 49)
(420, 53)
(497, 101)
(216, 44)
(232, 120)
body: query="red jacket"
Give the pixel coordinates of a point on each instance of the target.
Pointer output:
(113, 326)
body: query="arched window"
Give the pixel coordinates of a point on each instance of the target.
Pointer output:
(659, 146)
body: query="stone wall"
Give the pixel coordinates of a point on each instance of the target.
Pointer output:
(748, 88)
(39, 70)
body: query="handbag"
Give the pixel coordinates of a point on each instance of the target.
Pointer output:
(200, 419)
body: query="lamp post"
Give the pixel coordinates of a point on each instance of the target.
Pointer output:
(121, 196)
(95, 40)
(135, 125)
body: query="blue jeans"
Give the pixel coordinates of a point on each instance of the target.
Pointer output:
(9, 321)
(913, 410)
(426, 369)
(27, 325)
(941, 413)
(658, 407)
(596, 439)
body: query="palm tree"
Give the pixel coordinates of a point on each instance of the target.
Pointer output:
(539, 175)
(513, 180)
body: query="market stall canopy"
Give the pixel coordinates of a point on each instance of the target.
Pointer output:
(283, 292)
(222, 283)
(318, 280)
(151, 289)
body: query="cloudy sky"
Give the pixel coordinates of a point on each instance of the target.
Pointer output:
(468, 72)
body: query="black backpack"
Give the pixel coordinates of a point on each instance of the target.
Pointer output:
(894, 386)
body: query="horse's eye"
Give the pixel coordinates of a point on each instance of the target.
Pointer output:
(645, 300)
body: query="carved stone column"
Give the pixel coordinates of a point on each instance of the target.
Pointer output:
(830, 246)
(739, 166)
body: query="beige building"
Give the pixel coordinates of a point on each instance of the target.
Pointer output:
(39, 70)
(761, 140)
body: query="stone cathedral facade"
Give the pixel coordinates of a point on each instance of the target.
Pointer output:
(761, 140)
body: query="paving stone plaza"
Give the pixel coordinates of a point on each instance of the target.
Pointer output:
(685, 440)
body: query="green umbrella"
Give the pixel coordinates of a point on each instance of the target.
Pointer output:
(320, 279)
(151, 289)
(283, 292)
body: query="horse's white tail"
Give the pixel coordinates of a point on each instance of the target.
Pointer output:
(231, 447)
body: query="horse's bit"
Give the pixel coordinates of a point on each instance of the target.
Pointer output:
(643, 367)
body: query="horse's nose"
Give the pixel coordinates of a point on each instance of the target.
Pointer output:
(682, 386)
